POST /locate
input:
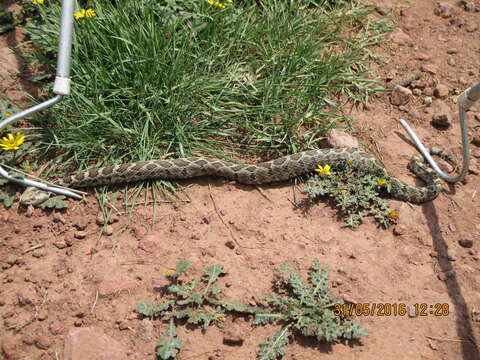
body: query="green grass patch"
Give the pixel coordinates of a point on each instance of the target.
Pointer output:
(256, 78)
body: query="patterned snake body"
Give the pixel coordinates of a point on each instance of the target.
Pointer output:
(280, 169)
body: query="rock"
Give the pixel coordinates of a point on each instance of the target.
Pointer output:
(475, 153)
(80, 235)
(30, 210)
(230, 244)
(145, 330)
(26, 296)
(115, 286)
(466, 243)
(400, 38)
(422, 56)
(399, 230)
(42, 315)
(428, 92)
(56, 328)
(100, 220)
(400, 95)
(452, 51)
(418, 84)
(80, 223)
(429, 68)
(108, 230)
(471, 26)
(59, 218)
(467, 5)
(444, 10)
(123, 325)
(9, 348)
(476, 140)
(417, 92)
(234, 334)
(339, 138)
(472, 169)
(60, 244)
(440, 91)
(428, 100)
(42, 342)
(442, 119)
(451, 61)
(92, 344)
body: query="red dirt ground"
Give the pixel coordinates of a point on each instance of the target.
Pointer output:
(96, 281)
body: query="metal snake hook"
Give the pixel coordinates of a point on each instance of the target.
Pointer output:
(465, 101)
(61, 88)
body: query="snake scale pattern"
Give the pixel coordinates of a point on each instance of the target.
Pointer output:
(277, 170)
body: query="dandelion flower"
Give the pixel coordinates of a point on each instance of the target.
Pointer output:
(11, 142)
(382, 182)
(392, 215)
(7, 115)
(89, 13)
(323, 170)
(38, 2)
(79, 14)
(168, 273)
(216, 4)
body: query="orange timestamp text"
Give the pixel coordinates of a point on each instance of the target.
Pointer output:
(391, 309)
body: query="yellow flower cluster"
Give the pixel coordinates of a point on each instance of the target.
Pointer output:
(84, 13)
(323, 170)
(219, 4)
(11, 142)
(38, 2)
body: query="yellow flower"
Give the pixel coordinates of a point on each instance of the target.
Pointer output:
(217, 4)
(324, 170)
(392, 215)
(382, 182)
(11, 142)
(37, 2)
(350, 162)
(169, 272)
(79, 14)
(7, 114)
(89, 13)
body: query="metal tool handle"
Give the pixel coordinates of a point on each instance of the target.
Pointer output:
(61, 88)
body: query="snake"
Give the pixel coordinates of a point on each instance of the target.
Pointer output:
(277, 170)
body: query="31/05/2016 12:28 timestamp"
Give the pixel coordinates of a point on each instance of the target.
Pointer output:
(392, 309)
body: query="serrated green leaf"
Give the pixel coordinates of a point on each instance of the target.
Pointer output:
(169, 344)
(147, 308)
(7, 197)
(213, 272)
(274, 346)
(55, 202)
(265, 318)
(235, 306)
(182, 266)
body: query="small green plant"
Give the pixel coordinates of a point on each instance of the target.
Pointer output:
(195, 300)
(356, 191)
(307, 308)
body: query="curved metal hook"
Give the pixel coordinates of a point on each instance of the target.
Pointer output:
(465, 101)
